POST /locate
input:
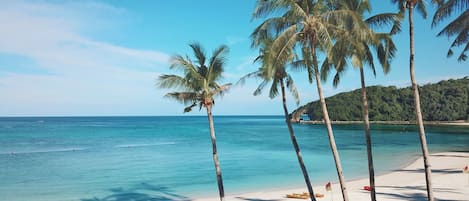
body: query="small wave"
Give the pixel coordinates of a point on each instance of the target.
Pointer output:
(42, 151)
(144, 145)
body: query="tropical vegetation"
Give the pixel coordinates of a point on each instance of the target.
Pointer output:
(446, 100)
(297, 35)
(199, 86)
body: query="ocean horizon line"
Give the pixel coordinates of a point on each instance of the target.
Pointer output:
(111, 116)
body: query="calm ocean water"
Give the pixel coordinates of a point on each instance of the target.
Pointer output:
(162, 158)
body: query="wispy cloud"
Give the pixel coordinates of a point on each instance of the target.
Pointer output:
(57, 44)
(82, 70)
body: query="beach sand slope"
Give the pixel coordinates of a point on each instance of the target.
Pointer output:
(449, 183)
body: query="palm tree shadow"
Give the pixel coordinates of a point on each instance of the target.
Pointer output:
(443, 171)
(451, 155)
(255, 199)
(141, 192)
(415, 196)
(406, 196)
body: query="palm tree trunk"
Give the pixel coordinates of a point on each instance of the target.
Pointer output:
(327, 122)
(295, 143)
(215, 155)
(366, 121)
(418, 112)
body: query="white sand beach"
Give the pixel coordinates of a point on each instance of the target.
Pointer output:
(449, 184)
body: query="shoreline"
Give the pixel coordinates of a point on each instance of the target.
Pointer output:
(403, 183)
(436, 123)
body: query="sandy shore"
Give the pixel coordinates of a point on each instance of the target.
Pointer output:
(449, 183)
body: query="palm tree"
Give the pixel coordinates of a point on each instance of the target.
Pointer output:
(307, 23)
(273, 70)
(459, 27)
(419, 5)
(352, 46)
(198, 87)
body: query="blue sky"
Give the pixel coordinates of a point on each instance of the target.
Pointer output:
(82, 58)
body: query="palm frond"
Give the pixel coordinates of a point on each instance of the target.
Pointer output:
(268, 29)
(185, 65)
(198, 53)
(397, 25)
(308, 61)
(336, 80)
(216, 63)
(382, 19)
(447, 8)
(401, 5)
(264, 8)
(456, 26)
(386, 53)
(281, 50)
(463, 56)
(326, 67)
(172, 81)
(368, 58)
(189, 108)
(421, 8)
(242, 80)
(183, 97)
(259, 88)
(298, 65)
(273, 92)
(221, 90)
(293, 90)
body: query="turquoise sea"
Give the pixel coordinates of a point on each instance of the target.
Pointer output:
(169, 158)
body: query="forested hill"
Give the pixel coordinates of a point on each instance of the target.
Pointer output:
(444, 101)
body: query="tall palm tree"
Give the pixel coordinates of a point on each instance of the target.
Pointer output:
(419, 5)
(352, 47)
(273, 70)
(307, 23)
(199, 85)
(459, 27)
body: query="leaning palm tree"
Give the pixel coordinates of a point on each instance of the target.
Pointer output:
(273, 70)
(459, 27)
(307, 23)
(198, 87)
(419, 5)
(351, 46)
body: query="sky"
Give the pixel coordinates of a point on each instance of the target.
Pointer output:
(102, 57)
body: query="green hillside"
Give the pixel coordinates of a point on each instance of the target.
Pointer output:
(444, 101)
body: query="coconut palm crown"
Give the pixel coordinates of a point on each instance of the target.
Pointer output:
(199, 84)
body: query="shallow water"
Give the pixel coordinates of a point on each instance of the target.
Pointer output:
(157, 158)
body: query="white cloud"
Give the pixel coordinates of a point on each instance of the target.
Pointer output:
(83, 72)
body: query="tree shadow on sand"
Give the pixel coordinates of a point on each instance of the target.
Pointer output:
(414, 196)
(255, 199)
(451, 155)
(141, 192)
(443, 171)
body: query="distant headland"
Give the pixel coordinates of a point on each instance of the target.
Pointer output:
(443, 103)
